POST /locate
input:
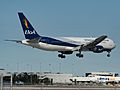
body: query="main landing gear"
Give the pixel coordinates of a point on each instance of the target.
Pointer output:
(61, 55)
(79, 54)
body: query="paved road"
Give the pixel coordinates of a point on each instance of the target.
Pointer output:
(56, 88)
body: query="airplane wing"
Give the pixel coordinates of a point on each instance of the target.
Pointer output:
(91, 44)
(96, 41)
(17, 41)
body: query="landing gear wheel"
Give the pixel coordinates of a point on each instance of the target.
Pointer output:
(79, 55)
(108, 55)
(61, 55)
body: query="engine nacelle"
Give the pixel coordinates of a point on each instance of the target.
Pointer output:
(97, 49)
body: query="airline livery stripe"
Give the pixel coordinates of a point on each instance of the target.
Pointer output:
(56, 42)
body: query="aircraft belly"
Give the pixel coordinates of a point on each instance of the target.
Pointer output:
(50, 47)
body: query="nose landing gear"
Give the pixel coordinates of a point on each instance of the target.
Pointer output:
(108, 55)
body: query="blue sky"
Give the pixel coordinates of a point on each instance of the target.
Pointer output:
(83, 18)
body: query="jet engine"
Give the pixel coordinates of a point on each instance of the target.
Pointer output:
(97, 49)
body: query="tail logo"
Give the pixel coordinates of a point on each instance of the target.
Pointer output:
(26, 23)
(30, 32)
(27, 31)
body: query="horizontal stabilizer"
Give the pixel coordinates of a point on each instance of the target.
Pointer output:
(17, 41)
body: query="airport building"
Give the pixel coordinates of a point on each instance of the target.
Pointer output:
(90, 77)
(97, 77)
(56, 78)
(4, 74)
(60, 78)
(5, 78)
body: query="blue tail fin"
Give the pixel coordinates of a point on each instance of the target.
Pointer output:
(28, 30)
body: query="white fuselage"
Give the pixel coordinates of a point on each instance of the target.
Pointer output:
(107, 44)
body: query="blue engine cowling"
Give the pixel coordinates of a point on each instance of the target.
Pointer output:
(97, 49)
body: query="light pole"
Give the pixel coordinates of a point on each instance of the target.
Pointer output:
(31, 73)
(11, 81)
(27, 68)
(40, 67)
(17, 66)
(59, 67)
(50, 68)
(1, 79)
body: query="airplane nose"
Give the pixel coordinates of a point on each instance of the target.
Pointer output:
(114, 45)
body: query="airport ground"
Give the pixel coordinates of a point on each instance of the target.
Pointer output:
(50, 87)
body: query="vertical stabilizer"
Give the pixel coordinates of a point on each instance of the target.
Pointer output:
(28, 29)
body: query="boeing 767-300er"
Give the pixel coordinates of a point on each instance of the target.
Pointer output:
(64, 45)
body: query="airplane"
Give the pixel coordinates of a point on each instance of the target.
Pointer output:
(63, 45)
